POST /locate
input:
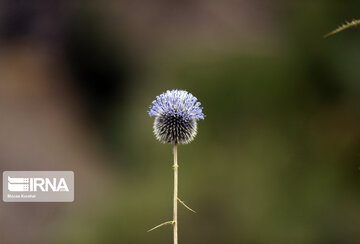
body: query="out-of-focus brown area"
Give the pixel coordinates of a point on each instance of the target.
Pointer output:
(276, 160)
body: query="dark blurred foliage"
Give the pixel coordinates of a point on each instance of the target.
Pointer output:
(100, 66)
(277, 158)
(99, 63)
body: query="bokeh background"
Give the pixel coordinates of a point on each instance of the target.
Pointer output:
(275, 161)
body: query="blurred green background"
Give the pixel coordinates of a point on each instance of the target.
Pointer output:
(275, 161)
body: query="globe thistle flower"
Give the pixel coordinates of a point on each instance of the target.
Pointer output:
(176, 114)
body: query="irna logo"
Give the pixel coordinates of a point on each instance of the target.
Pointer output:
(36, 184)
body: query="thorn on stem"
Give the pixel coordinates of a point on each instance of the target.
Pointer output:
(162, 224)
(345, 26)
(186, 206)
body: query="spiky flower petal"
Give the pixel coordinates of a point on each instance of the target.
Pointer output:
(176, 114)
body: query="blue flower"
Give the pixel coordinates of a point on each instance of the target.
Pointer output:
(176, 114)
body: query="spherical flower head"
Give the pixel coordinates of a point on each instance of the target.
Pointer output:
(176, 114)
